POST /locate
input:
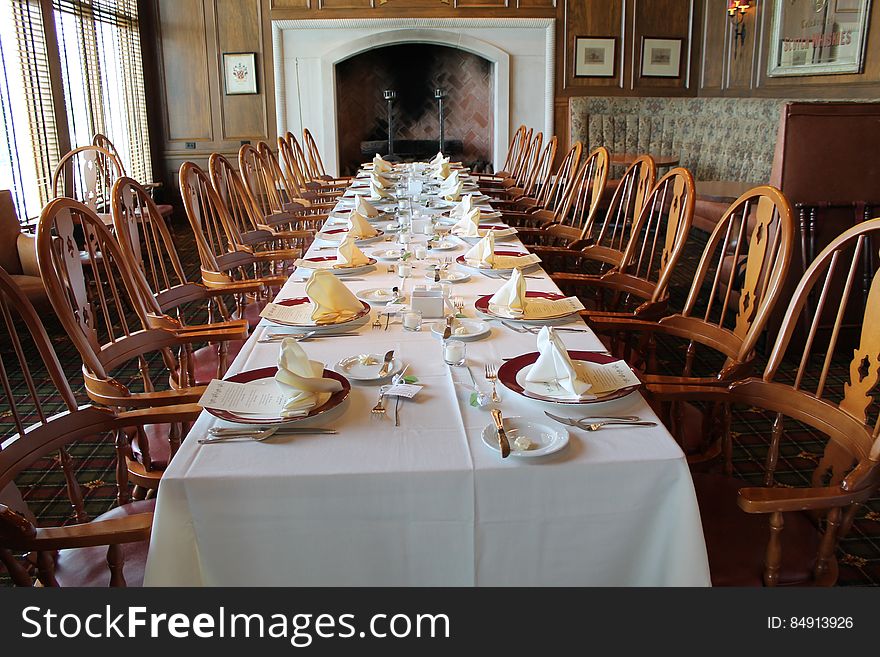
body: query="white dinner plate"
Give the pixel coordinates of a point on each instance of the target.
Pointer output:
(452, 276)
(376, 295)
(355, 369)
(544, 438)
(474, 329)
(444, 245)
(388, 255)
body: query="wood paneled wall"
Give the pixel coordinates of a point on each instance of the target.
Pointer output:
(723, 74)
(184, 53)
(186, 39)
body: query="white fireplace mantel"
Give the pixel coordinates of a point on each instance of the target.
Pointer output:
(521, 52)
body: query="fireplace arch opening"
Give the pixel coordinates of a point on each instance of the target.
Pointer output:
(414, 71)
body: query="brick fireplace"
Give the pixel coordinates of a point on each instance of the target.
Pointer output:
(513, 62)
(414, 71)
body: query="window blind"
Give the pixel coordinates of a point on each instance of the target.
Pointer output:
(28, 137)
(102, 71)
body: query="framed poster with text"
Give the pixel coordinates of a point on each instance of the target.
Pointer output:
(818, 37)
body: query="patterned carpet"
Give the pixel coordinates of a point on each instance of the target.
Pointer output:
(44, 488)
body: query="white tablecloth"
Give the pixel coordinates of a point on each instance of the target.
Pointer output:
(427, 503)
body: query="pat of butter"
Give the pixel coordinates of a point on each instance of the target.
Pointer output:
(522, 444)
(461, 330)
(367, 359)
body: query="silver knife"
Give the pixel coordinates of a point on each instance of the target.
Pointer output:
(386, 366)
(574, 422)
(235, 431)
(503, 443)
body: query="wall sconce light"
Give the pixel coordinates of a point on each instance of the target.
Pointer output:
(736, 10)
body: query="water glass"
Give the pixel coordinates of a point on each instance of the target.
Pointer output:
(420, 251)
(454, 352)
(412, 320)
(404, 269)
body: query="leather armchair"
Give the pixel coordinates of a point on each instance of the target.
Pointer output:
(18, 254)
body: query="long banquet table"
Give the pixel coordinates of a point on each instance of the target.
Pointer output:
(427, 503)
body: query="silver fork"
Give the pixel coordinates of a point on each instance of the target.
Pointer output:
(458, 304)
(376, 324)
(379, 408)
(514, 327)
(492, 377)
(254, 438)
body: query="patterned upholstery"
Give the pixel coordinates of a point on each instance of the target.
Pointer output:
(716, 138)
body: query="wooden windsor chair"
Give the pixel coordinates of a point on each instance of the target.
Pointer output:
(578, 212)
(639, 285)
(537, 175)
(600, 245)
(316, 164)
(226, 263)
(298, 167)
(102, 141)
(102, 307)
(87, 174)
(172, 300)
(782, 525)
(544, 209)
(108, 549)
(246, 229)
(532, 148)
(279, 206)
(739, 279)
(514, 152)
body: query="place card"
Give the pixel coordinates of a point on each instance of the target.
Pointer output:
(243, 397)
(408, 390)
(608, 377)
(544, 308)
(510, 262)
(300, 315)
(392, 308)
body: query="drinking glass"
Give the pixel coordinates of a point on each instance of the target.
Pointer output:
(412, 320)
(454, 352)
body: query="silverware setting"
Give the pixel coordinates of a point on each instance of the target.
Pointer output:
(597, 422)
(258, 435)
(299, 337)
(534, 330)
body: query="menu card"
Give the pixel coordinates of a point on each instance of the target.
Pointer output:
(542, 308)
(608, 377)
(243, 397)
(300, 315)
(311, 264)
(509, 262)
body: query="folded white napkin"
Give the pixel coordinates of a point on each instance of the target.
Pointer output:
(450, 181)
(510, 299)
(359, 227)
(379, 180)
(380, 164)
(442, 170)
(482, 254)
(331, 300)
(377, 192)
(467, 202)
(468, 225)
(309, 389)
(348, 255)
(438, 158)
(554, 367)
(453, 194)
(365, 208)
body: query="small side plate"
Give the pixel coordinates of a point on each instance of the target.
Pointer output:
(545, 439)
(355, 370)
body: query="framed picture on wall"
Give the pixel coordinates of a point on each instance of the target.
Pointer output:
(594, 57)
(240, 73)
(818, 37)
(661, 58)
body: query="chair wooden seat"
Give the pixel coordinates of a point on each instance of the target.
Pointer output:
(737, 542)
(87, 566)
(158, 445)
